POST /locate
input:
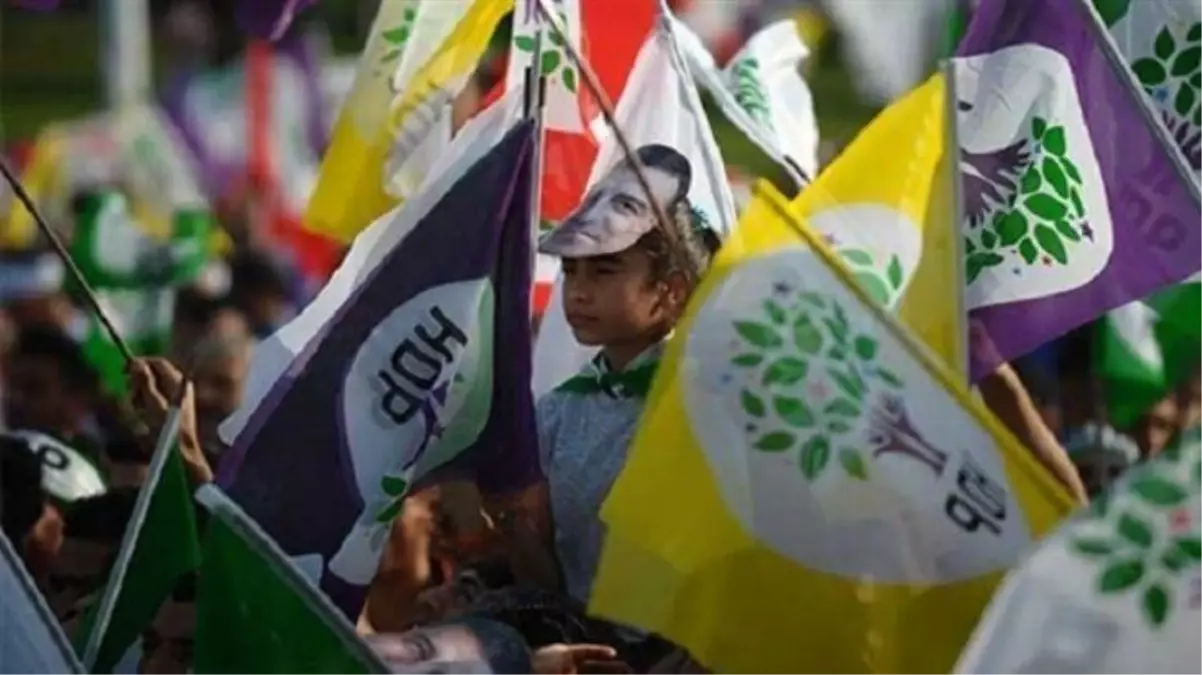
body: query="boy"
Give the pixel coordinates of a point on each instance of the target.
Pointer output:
(626, 282)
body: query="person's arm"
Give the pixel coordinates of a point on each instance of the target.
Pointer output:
(525, 524)
(1006, 396)
(154, 387)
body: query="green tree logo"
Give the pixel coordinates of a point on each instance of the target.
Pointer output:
(807, 380)
(1172, 77)
(1041, 214)
(1145, 536)
(749, 90)
(554, 61)
(396, 37)
(1112, 11)
(882, 282)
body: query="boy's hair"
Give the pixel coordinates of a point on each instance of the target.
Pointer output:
(687, 250)
(102, 518)
(52, 343)
(22, 497)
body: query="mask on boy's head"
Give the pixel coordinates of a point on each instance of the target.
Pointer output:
(616, 212)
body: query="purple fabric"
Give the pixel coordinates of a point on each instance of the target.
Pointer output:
(269, 19)
(1154, 206)
(219, 175)
(289, 469)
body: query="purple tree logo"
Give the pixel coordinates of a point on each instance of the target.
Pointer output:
(892, 432)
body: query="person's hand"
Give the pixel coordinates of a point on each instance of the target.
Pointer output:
(154, 387)
(570, 659)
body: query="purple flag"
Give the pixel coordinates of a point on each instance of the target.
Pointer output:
(418, 358)
(209, 110)
(269, 19)
(1075, 200)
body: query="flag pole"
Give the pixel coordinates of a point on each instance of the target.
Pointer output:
(592, 83)
(59, 248)
(535, 97)
(951, 151)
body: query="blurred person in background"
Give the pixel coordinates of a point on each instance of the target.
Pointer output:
(125, 460)
(1189, 401)
(51, 388)
(1080, 392)
(222, 362)
(199, 316)
(167, 646)
(1158, 426)
(94, 527)
(30, 521)
(1101, 455)
(31, 288)
(261, 290)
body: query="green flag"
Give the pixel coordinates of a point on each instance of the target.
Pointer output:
(135, 278)
(257, 613)
(959, 14)
(1148, 347)
(159, 546)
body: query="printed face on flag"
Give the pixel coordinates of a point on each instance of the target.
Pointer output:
(616, 212)
(430, 650)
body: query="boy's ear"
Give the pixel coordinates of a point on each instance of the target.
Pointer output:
(676, 292)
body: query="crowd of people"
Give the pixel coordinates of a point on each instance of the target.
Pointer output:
(626, 284)
(464, 582)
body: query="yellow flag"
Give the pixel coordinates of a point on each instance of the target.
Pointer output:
(44, 181)
(886, 205)
(808, 490)
(350, 191)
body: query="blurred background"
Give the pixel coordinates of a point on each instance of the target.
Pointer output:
(52, 62)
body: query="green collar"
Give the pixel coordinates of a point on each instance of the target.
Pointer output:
(634, 381)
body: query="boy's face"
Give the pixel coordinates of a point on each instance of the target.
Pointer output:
(610, 299)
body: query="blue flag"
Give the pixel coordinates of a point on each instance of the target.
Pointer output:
(393, 371)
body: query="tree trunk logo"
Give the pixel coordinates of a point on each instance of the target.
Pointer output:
(1143, 538)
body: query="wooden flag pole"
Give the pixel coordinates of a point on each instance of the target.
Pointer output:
(592, 83)
(57, 244)
(535, 89)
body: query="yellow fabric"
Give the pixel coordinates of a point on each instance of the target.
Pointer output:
(43, 180)
(897, 162)
(813, 27)
(677, 562)
(350, 194)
